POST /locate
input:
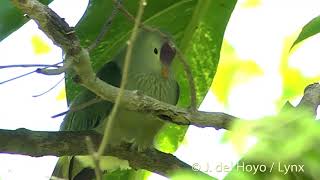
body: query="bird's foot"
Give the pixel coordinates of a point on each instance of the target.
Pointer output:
(137, 147)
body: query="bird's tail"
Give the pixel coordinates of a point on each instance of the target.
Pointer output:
(60, 171)
(80, 168)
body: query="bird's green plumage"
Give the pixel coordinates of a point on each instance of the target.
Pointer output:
(144, 75)
(91, 116)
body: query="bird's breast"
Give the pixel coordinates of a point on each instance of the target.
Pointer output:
(153, 85)
(137, 127)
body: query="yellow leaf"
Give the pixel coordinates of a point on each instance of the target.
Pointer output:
(232, 71)
(293, 80)
(251, 3)
(62, 95)
(39, 45)
(239, 137)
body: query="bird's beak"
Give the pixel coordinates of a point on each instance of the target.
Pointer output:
(165, 71)
(167, 54)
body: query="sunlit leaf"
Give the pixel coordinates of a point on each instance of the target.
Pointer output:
(39, 45)
(293, 80)
(231, 72)
(251, 3)
(62, 95)
(310, 29)
(168, 139)
(288, 138)
(239, 136)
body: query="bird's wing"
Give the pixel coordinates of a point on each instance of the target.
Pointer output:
(87, 118)
(91, 116)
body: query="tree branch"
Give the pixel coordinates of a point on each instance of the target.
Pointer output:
(29, 65)
(68, 143)
(311, 99)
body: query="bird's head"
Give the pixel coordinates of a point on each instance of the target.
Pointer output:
(155, 52)
(167, 54)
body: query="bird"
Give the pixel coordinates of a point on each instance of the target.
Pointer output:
(150, 72)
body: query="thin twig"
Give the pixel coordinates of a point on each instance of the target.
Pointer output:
(106, 26)
(124, 11)
(17, 77)
(187, 69)
(56, 71)
(54, 86)
(28, 73)
(127, 60)
(29, 65)
(95, 158)
(80, 106)
(50, 72)
(60, 114)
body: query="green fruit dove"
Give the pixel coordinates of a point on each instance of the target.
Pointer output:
(151, 73)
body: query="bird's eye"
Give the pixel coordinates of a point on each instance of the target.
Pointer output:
(155, 50)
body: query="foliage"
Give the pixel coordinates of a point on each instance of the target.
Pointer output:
(232, 71)
(285, 144)
(287, 140)
(293, 79)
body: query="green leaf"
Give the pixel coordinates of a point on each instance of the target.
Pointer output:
(125, 174)
(285, 140)
(11, 18)
(310, 29)
(201, 43)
